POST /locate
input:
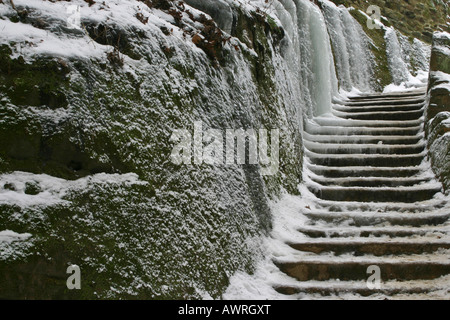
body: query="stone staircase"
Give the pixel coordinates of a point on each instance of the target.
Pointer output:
(376, 202)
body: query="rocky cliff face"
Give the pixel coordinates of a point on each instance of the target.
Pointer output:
(87, 117)
(438, 108)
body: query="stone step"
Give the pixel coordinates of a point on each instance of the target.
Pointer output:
(426, 206)
(376, 160)
(363, 171)
(373, 232)
(399, 95)
(329, 148)
(383, 102)
(394, 115)
(398, 194)
(389, 288)
(380, 98)
(379, 108)
(369, 181)
(360, 219)
(342, 123)
(354, 269)
(362, 131)
(385, 140)
(371, 247)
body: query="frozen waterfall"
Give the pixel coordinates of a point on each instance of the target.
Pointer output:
(326, 49)
(351, 48)
(308, 52)
(398, 67)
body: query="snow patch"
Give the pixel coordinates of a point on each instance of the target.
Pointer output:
(49, 190)
(9, 236)
(412, 84)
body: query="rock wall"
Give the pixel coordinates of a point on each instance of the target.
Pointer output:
(86, 176)
(438, 107)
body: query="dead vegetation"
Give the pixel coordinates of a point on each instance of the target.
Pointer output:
(210, 39)
(115, 57)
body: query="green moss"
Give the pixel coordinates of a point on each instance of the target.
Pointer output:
(39, 84)
(378, 48)
(409, 17)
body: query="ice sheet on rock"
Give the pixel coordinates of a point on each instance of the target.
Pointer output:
(309, 53)
(397, 66)
(353, 57)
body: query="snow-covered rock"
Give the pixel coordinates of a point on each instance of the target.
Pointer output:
(438, 107)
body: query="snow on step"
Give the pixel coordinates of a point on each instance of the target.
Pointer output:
(380, 115)
(339, 122)
(374, 247)
(376, 160)
(383, 102)
(374, 232)
(410, 194)
(369, 182)
(355, 268)
(359, 219)
(384, 140)
(388, 288)
(398, 95)
(380, 108)
(362, 171)
(343, 148)
(432, 205)
(362, 131)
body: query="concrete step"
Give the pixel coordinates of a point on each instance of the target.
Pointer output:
(389, 288)
(375, 160)
(362, 131)
(399, 95)
(384, 102)
(342, 123)
(330, 148)
(385, 140)
(387, 109)
(363, 171)
(360, 194)
(394, 115)
(369, 181)
(426, 206)
(371, 247)
(361, 219)
(374, 232)
(352, 269)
